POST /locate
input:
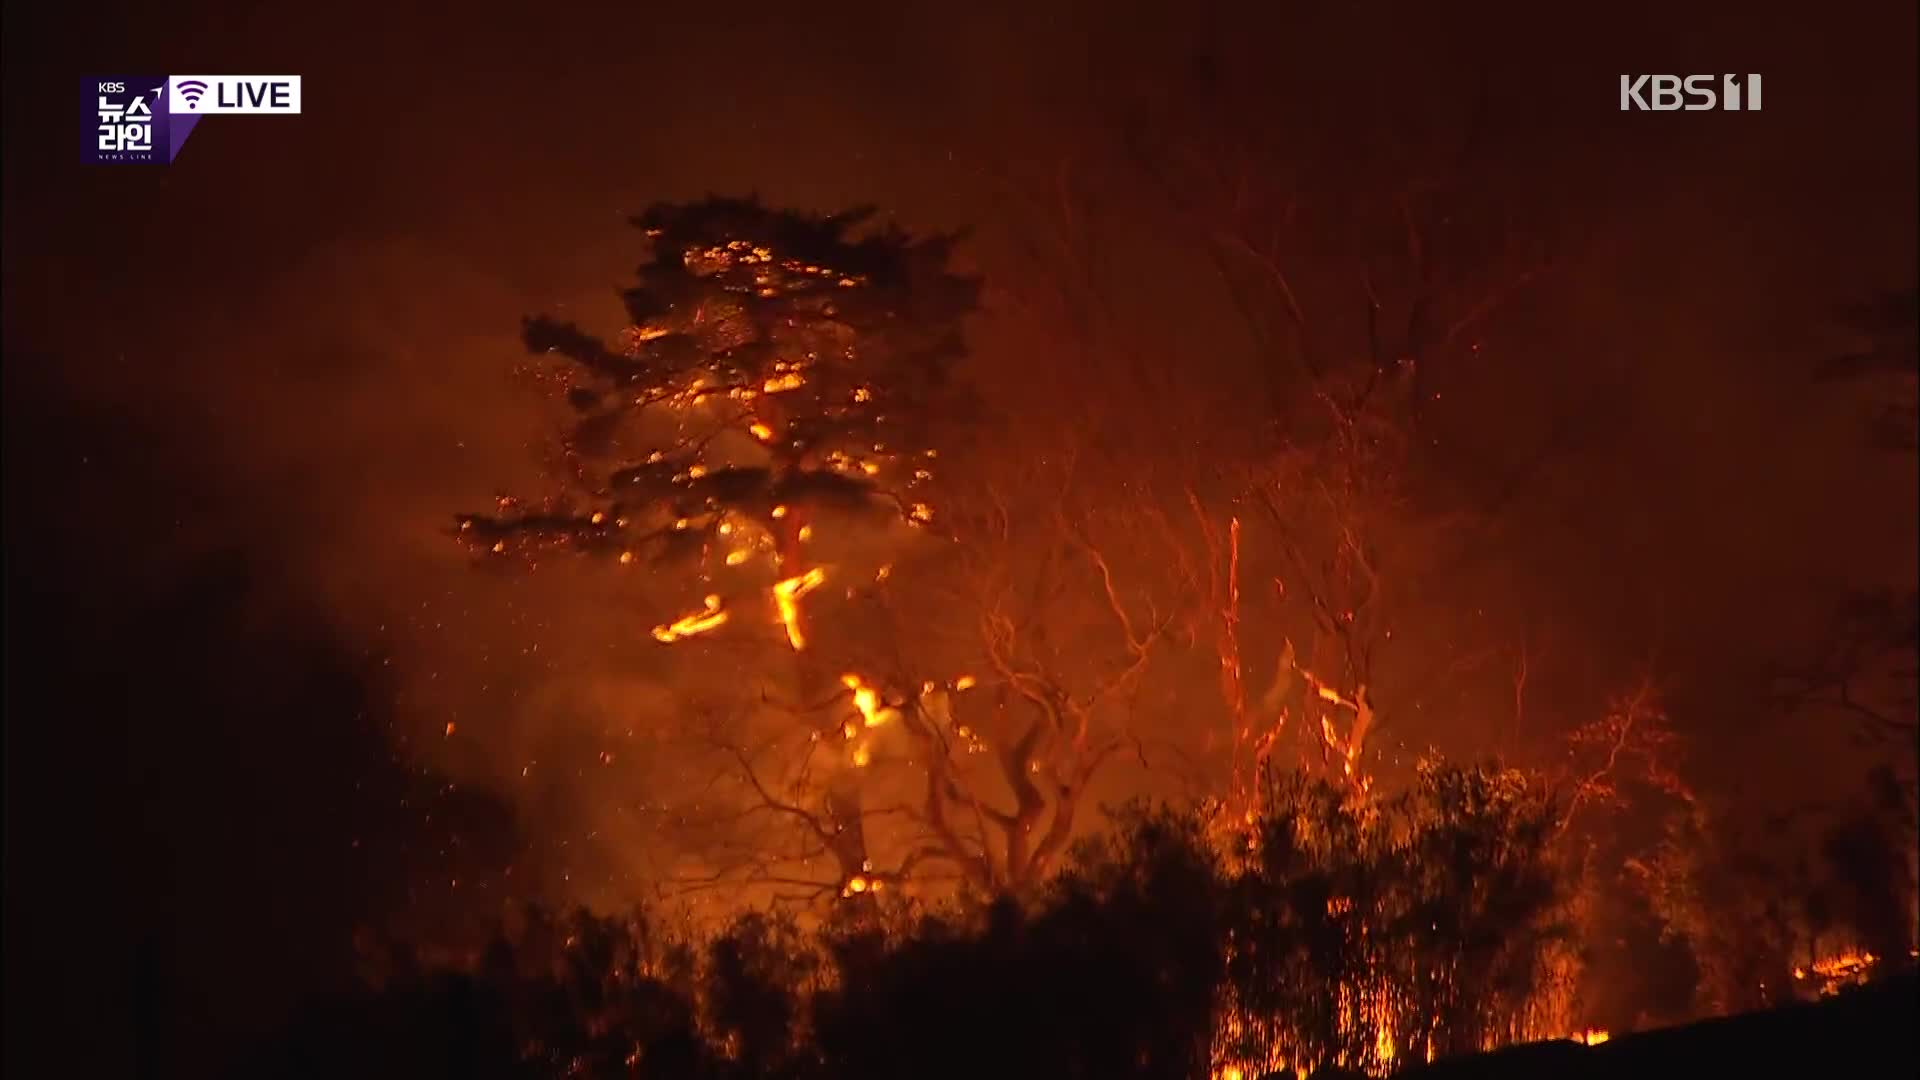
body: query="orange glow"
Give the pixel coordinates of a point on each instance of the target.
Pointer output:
(697, 623)
(787, 594)
(867, 700)
(760, 431)
(1365, 1010)
(1832, 972)
(1846, 963)
(1590, 1037)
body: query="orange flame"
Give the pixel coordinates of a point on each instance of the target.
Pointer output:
(867, 700)
(1838, 969)
(787, 594)
(697, 623)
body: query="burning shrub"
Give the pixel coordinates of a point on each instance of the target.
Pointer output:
(1342, 931)
(1367, 933)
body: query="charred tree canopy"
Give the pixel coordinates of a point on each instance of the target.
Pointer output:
(774, 361)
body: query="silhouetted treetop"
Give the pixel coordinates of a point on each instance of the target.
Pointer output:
(774, 360)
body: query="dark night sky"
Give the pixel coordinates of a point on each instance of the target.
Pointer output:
(271, 371)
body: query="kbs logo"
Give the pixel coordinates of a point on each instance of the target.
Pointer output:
(123, 122)
(146, 120)
(1692, 93)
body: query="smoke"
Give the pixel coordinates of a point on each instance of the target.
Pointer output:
(314, 330)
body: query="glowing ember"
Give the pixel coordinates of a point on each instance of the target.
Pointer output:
(787, 594)
(1590, 1037)
(697, 623)
(1840, 969)
(867, 700)
(1847, 963)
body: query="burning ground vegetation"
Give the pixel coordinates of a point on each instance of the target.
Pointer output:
(1324, 933)
(1327, 936)
(1021, 746)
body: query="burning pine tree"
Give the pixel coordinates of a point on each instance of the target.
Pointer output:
(774, 369)
(778, 375)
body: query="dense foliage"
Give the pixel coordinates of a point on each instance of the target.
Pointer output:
(1330, 933)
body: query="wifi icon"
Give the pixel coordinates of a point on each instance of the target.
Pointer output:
(191, 89)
